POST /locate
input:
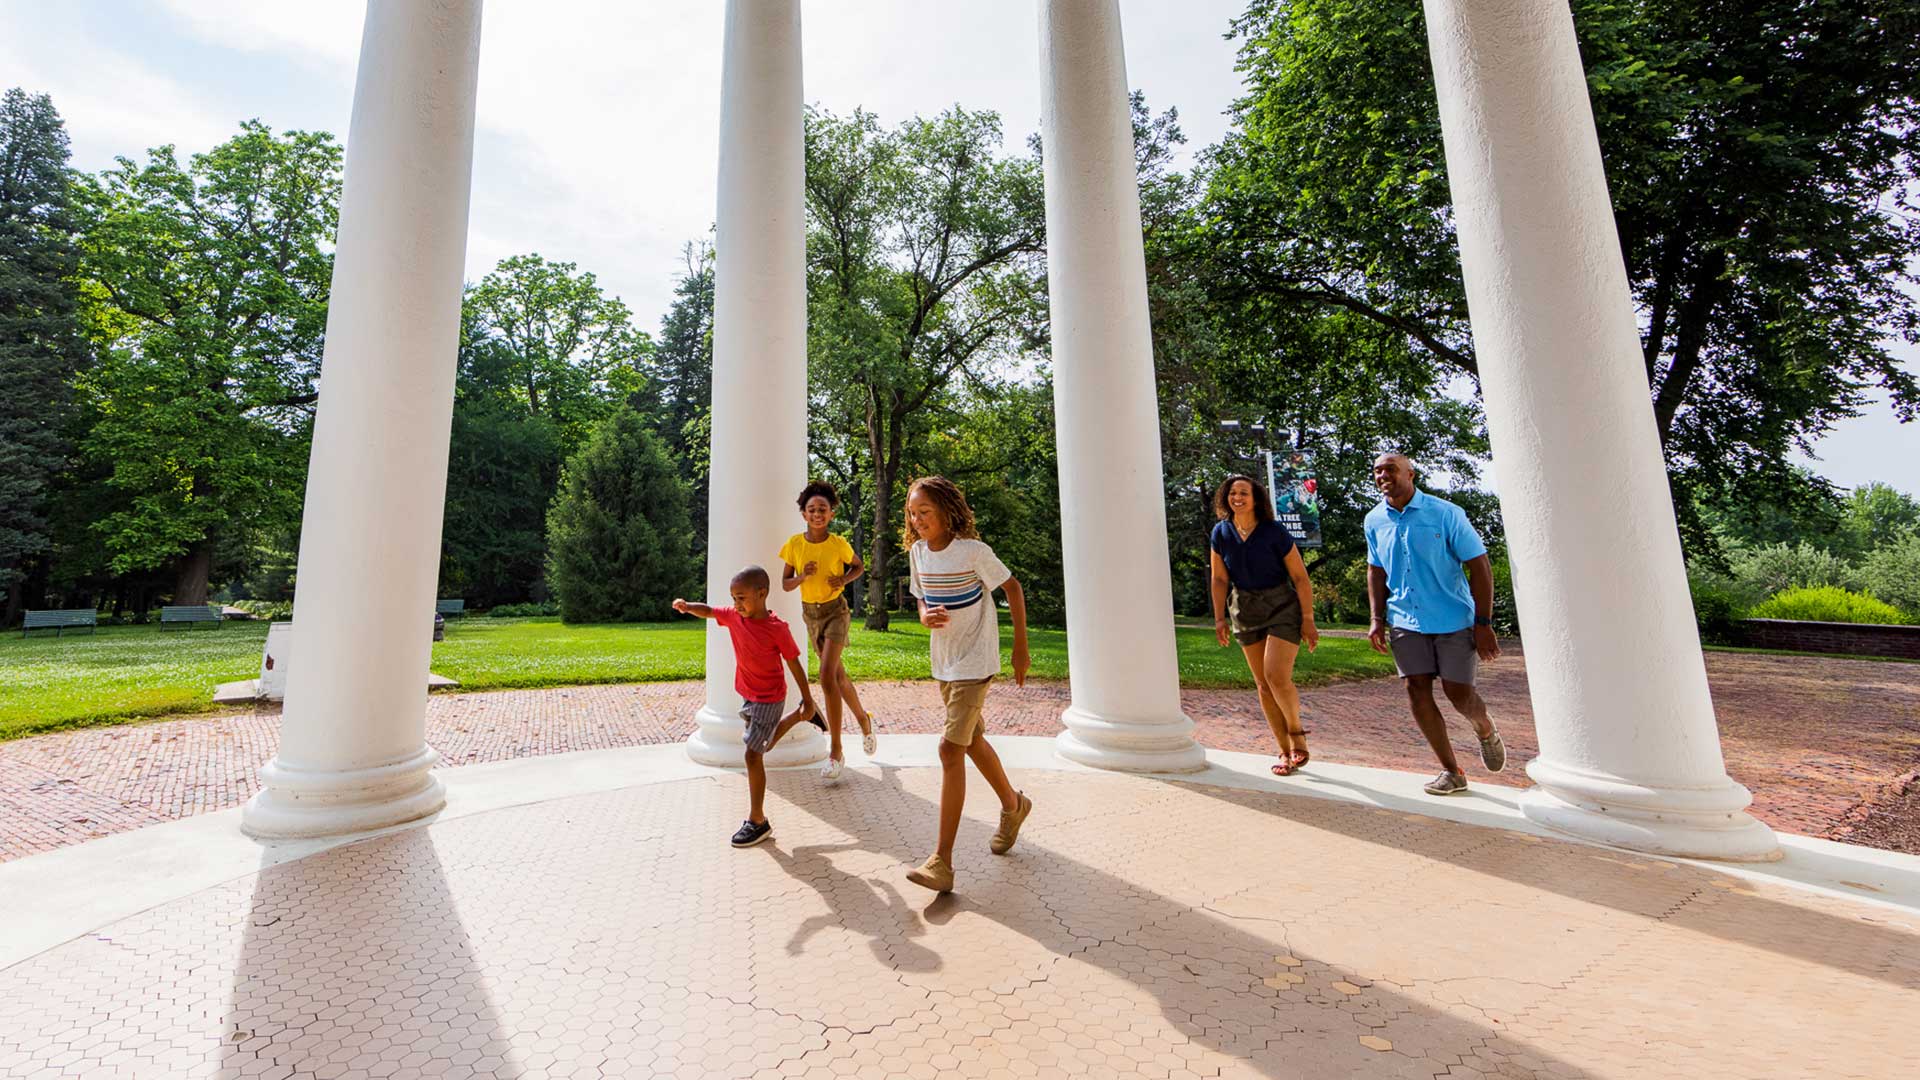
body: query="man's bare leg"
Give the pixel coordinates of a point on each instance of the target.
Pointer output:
(1426, 713)
(1467, 702)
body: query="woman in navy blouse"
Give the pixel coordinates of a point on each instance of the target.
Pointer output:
(1262, 596)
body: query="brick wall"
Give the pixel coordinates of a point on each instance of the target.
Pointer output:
(1859, 639)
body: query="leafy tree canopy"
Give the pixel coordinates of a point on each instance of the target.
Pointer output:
(922, 271)
(205, 290)
(1762, 158)
(555, 343)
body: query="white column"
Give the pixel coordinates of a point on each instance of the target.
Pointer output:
(353, 751)
(1629, 750)
(759, 449)
(1119, 592)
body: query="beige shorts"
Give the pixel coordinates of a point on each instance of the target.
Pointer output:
(826, 622)
(966, 701)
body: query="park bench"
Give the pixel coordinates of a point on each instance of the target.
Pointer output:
(60, 621)
(452, 609)
(187, 615)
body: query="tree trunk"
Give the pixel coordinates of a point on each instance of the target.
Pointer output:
(190, 587)
(877, 568)
(857, 592)
(1690, 340)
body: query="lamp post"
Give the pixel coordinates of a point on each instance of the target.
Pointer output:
(1258, 431)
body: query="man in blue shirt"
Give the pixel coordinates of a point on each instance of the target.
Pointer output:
(1433, 620)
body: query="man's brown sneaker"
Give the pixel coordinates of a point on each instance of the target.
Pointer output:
(1447, 783)
(933, 874)
(1010, 822)
(1493, 752)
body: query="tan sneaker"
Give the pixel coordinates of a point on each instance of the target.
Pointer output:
(1010, 822)
(1493, 752)
(933, 874)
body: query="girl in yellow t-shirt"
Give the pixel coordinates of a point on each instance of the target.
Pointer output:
(821, 564)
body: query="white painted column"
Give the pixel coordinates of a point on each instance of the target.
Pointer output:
(759, 447)
(1126, 677)
(1629, 750)
(353, 751)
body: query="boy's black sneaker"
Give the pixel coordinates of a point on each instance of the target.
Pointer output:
(818, 721)
(751, 834)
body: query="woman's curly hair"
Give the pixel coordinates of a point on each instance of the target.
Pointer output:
(945, 495)
(1262, 502)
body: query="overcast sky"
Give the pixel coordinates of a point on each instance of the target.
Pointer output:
(598, 118)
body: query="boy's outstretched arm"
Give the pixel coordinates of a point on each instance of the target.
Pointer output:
(1017, 607)
(685, 607)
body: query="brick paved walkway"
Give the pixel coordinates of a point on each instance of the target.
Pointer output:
(1823, 743)
(1141, 929)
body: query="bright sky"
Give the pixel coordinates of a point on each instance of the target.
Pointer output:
(598, 118)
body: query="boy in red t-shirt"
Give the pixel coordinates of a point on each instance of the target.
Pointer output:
(761, 641)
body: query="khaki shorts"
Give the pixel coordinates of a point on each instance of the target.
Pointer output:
(966, 701)
(1258, 614)
(826, 622)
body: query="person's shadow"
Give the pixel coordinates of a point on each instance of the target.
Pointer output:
(861, 905)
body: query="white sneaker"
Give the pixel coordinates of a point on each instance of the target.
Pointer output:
(830, 772)
(869, 742)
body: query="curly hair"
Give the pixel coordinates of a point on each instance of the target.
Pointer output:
(945, 495)
(1262, 502)
(822, 489)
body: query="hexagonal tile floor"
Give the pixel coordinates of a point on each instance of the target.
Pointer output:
(1141, 928)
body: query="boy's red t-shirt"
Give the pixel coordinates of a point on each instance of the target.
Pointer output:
(759, 646)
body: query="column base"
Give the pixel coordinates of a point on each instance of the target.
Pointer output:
(295, 803)
(1694, 823)
(718, 743)
(1130, 746)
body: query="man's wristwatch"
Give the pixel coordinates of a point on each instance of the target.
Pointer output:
(1482, 620)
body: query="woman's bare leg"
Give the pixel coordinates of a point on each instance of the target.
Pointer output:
(1276, 716)
(1279, 667)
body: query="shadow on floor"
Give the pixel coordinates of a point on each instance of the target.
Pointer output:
(1223, 986)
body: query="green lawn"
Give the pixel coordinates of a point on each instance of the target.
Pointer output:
(126, 672)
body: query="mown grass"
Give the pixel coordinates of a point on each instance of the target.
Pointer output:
(130, 672)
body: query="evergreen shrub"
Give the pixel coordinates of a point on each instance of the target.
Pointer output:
(619, 538)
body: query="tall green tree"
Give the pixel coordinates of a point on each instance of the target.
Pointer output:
(923, 270)
(618, 531)
(205, 291)
(503, 466)
(1762, 157)
(41, 348)
(683, 374)
(566, 350)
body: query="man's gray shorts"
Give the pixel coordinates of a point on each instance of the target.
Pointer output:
(761, 719)
(1450, 656)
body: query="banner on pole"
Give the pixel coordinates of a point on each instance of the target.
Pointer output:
(1296, 496)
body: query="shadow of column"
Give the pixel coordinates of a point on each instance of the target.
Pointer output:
(356, 963)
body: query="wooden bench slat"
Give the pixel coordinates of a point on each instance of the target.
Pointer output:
(60, 620)
(189, 614)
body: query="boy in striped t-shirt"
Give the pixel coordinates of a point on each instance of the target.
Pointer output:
(954, 575)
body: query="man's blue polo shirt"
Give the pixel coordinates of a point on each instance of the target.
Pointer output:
(1422, 548)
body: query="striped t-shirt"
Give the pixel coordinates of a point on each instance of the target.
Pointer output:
(961, 577)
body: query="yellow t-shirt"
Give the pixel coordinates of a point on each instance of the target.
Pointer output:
(833, 555)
